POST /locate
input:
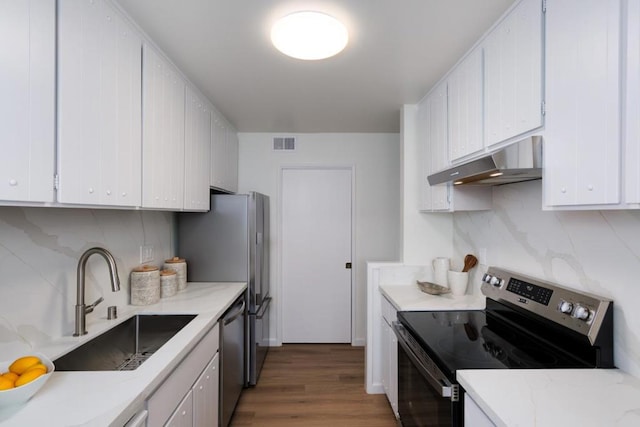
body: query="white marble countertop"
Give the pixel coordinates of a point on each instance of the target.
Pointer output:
(411, 298)
(111, 398)
(555, 397)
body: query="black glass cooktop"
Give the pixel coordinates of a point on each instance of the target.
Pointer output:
(480, 340)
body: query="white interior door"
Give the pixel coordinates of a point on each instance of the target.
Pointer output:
(316, 245)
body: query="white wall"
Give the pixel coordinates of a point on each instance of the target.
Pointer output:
(424, 235)
(593, 251)
(39, 252)
(376, 162)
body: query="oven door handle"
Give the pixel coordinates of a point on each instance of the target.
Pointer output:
(442, 385)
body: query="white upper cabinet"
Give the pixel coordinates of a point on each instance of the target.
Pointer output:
(583, 135)
(99, 106)
(27, 103)
(513, 73)
(163, 106)
(224, 155)
(197, 152)
(437, 143)
(465, 107)
(632, 104)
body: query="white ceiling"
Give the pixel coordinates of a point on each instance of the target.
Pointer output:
(397, 50)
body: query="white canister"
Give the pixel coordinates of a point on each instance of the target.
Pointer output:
(168, 283)
(441, 266)
(180, 266)
(145, 285)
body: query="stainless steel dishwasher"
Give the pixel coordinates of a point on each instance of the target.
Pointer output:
(232, 353)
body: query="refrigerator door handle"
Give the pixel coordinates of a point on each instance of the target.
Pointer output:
(263, 308)
(235, 315)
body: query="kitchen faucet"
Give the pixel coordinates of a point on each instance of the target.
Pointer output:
(81, 308)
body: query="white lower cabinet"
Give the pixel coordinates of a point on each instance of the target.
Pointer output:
(389, 355)
(183, 416)
(189, 395)
(205, 395)
(473, 415)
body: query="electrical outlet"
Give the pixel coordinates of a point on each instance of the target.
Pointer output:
(146, 253)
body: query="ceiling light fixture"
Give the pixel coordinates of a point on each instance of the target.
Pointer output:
(309, 35)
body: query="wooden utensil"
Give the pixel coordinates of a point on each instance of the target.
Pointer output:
(470, 261)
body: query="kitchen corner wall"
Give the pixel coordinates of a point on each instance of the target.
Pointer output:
(376, 162)
(39, 252)
(594, 251)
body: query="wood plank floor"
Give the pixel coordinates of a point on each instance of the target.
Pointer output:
(313, 385)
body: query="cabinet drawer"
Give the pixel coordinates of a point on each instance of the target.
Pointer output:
(167, 397)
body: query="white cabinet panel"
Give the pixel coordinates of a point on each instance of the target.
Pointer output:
(197, 155)
(632, 104)
(218, 150)
(224, 154)
(183, 415)
(473, 415)
(465, 98)
(205, 395)
(99, 106)
(582, 137)
(163, 100)
(437, 140)
(513, 73)
(27, 103)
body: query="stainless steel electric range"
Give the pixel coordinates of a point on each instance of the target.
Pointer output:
(527, 324)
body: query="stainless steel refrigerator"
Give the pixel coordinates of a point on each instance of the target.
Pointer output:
(230, 243)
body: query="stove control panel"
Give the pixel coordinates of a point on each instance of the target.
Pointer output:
(577, 310)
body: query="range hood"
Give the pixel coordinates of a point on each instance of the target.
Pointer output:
(518, 162)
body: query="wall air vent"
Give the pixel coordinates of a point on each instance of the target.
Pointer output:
(284, 144)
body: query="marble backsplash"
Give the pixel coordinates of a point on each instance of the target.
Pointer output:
(39, 252)
(593, 251)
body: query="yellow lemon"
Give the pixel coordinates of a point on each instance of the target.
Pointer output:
(5, 383)
(11, 375)
(29, 376)
(19, 366)
(37, 366)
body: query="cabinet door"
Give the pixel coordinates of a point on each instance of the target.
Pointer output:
(582, 136)
(392, 393)
(232, 160)
(438, 143)
(384, 361)
(205, 395)
(424, 151)
(632, 104)
(99, 101)
(197, 146)
(513, 74)
(27, 103)
(163, 100)
(183, 415)
(465, 107)
(218, 151)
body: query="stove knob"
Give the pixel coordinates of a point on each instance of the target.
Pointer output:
(581, 313)
(565, 307)
(495, 281)
(486, 278)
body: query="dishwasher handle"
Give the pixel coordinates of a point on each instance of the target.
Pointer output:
(234, 316)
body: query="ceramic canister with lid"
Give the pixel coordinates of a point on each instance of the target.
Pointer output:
(180, 266)
(145, 285)
(168, 283)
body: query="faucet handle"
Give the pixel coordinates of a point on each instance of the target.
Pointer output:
(89, 308)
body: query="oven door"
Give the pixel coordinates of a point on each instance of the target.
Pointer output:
(426, 397)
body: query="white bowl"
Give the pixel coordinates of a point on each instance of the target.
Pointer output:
(23, 393)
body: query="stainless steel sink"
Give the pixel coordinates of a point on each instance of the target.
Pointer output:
(126, 346)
